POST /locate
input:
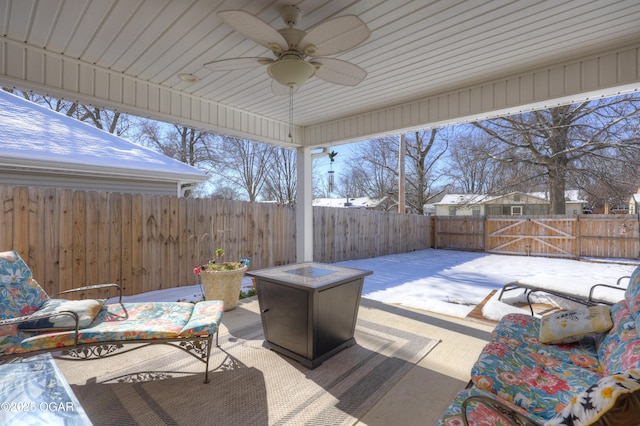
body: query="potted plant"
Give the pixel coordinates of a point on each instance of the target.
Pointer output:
(222, 280)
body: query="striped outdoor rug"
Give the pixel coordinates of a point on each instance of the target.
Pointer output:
(250, 385)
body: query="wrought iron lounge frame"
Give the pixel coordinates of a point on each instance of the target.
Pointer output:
(515, 418)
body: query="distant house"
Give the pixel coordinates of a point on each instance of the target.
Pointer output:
(634, 203)
(513, 204)
(351, 203)
(41, 147)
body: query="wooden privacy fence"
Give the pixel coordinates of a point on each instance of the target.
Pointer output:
(569, 236)
(143, 242)
(148, 242)
(346, 234)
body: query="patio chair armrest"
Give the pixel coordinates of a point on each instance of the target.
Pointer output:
(576, 299)
(96, 287)
(593, 287)
(622, 278)
(515, 417)
(41, 315)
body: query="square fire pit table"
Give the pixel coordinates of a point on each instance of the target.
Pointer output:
(309, 310)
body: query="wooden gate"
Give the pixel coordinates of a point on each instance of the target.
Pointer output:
(551, 236)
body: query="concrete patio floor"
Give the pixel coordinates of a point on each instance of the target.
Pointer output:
(421, 396)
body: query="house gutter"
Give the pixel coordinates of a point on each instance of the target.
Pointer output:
(100, 171)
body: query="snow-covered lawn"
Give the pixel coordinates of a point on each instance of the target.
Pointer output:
(454, 282)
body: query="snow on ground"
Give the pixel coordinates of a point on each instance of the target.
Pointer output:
(454, 282)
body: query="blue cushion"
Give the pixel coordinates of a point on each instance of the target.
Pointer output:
(85, 309)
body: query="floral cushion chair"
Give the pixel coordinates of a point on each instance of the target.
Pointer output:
(32, 322)
(528, 375)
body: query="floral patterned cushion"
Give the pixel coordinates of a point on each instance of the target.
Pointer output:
(632, 295)
(20, 293)
(541, 384)
(205, 319)
(520, 332)
(134, 321)
(613, 400)
(619, 348)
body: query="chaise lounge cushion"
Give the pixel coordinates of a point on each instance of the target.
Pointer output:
(520, 333)
(572, 325)
(128, 322)
(540, 384)
(620, 347)
(86, 310)
(20, 293)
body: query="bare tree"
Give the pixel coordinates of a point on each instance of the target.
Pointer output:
(185, 144)
(474, 168)
(375, 171)
(225, 192)
(109, 121)
(242, 163)
(557, 141)
(280, 183)
(424, 151)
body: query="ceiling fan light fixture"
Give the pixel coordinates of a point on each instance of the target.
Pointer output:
(291, 72)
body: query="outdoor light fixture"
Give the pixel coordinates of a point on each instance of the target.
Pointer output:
(188, 78)
(291, 72)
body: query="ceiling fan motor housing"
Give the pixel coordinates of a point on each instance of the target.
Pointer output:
(291, 15)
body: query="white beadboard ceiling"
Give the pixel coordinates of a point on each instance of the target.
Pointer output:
(417, 49)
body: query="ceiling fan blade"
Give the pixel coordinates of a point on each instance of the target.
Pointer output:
(236, 64)
(280, 90)
(253, 28)
(339, 72)
(336, 35)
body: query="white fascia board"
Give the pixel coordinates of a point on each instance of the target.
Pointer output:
(52, 166)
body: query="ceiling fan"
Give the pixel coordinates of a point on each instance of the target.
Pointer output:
(298, 55)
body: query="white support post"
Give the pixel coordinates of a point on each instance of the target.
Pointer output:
(304, 207)
(401, 174)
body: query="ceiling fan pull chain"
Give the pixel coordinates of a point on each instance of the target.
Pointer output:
(291, 112)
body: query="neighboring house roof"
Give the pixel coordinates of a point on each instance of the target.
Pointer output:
(359, 202)
(463, 199)
(467, 199)
(570, 195)
(38, 139)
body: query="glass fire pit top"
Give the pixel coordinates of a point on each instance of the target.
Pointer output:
(309, 274)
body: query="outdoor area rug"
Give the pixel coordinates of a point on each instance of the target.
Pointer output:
(249, 384)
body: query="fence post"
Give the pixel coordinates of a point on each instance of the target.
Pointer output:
(578, 236)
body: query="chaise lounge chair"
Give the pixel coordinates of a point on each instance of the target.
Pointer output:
(31, 322)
